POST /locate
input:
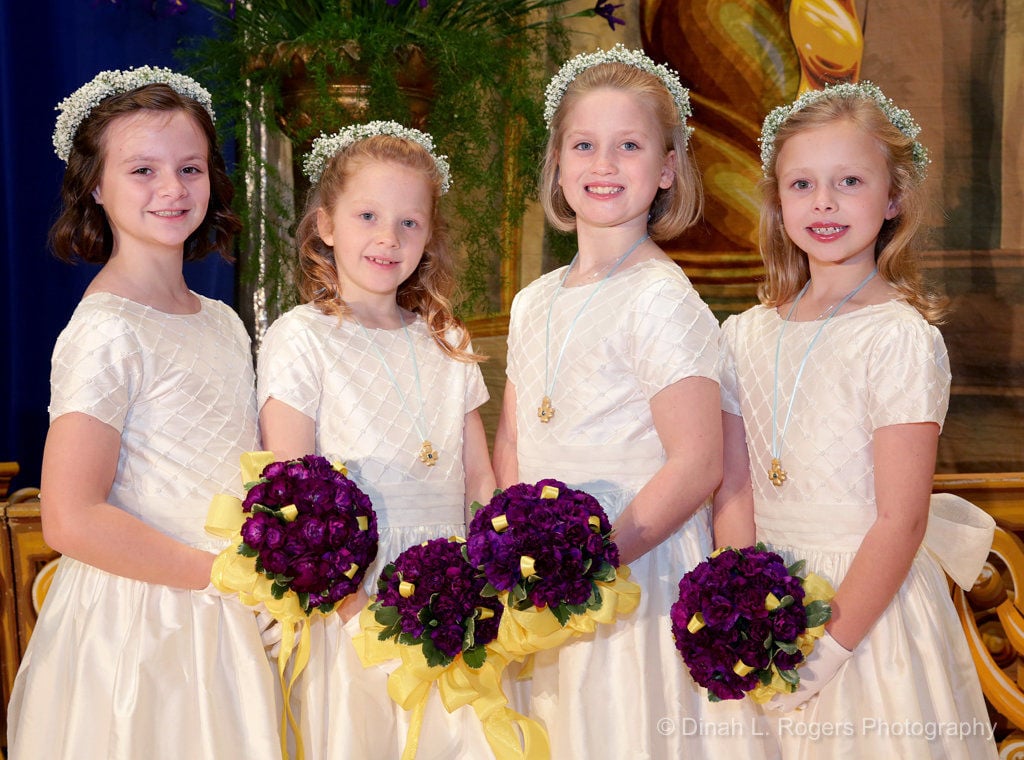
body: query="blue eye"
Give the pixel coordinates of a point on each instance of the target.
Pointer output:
(410, 224)
(630, 145)
(850, 181)
(801, 184)
(583, 145)
(367, 216)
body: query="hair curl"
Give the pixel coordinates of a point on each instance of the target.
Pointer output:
(786, 265)
(674, 209)
(428, 290)
(82, 230)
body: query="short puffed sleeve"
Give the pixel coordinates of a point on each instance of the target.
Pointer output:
(96, 367)
(476, 389)
(290, 363)
(673, 335)
(727, 367)
(908, 373)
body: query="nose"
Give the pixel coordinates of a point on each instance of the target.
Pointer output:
(604, 161)
(824, 198)
(173, 187)
(388, 236)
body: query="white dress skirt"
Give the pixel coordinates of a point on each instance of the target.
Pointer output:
(624, 691)
(330, 372)
(910, 690)
(117, 668)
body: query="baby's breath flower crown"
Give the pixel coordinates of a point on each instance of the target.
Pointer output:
(617, 54)
(77, 106)
(899, 117)
(326, 147)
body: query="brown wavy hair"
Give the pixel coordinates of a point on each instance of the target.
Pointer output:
(429, 289)
(786, 265)
(82, 230)
(675, 208)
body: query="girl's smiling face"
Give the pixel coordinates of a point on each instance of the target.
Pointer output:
(378, 228)
(155, 183)
(834, 191)
(612, 159)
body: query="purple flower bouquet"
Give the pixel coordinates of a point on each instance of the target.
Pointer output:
(745, 621)
(430, 597)
(546, 546)
(311, 531)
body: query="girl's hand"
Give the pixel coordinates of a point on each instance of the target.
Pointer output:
(826, 660)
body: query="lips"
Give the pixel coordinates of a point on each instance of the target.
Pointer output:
(827, 231)
(380, 262)
(170, 213)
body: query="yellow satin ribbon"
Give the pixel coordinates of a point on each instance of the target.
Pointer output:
(233, 572)
(524, 632)
(458, 684)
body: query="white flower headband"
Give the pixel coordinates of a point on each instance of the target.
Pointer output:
(77, 106)
(327, 147)
(617, 54)
(899, 117)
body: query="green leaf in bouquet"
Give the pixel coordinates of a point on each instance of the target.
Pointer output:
(786, 601)
(265, 510)
(605, 573)
(562, 613)
(303, 599)
(474, 508)
(586, 565)
(819, 612)
(790, 676)
(434, 656)
(247, 551)
(488, 590)
(517, 595)
(407, 639)
(386, 616)
(249, 486)
(278, 589)
(789, 647)
(475, 656)
(797, 568)
(469, 635)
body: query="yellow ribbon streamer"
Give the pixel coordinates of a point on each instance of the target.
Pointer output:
(458, 684)
(233, 572)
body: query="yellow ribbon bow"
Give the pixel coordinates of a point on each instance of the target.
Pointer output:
(458, 684)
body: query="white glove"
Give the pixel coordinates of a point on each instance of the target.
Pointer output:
(825, 661)
(272, 632)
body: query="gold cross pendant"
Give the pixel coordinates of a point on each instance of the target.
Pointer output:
(428, 456)
(776, 474)
(545, 411)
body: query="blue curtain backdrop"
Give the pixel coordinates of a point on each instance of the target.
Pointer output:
(47, 49)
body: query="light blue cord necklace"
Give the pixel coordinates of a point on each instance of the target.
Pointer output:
(776, 474)
(545, 411)
(427, 454)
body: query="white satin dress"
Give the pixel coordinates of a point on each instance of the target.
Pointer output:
(330, 373)
(117, 668)
(910, 690)
(623, 692)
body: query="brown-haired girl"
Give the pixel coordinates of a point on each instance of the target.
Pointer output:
(152, 404)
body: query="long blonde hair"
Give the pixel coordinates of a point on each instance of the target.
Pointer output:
(429, 289)
(786, 265)
(674, 209)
